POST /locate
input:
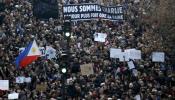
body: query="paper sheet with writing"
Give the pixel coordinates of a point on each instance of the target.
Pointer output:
(158, 56)
(131, 65)
(124, 56)
(135, 72)
(20, 79)
(28, 79)
(4, 84)
(115, 53)
(100, 37)
(137, 97)
(134, 54)
(13, 96)
(87, 69)
(50, 52)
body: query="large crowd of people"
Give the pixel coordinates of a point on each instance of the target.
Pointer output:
(112, 80)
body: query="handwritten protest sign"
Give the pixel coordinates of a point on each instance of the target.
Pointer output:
(87, 69)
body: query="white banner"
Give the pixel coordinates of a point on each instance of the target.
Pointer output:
(90, 11)
(4, 84)
(158, 56)
(100, 37)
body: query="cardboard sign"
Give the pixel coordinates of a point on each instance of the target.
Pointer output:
(158, 56)
(13, 96)
(41, 87)
(100, 37)
(115, 53)
(4, 84)
(20, 79)
(87, 69)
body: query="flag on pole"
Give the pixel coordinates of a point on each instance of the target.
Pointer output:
(30, 54)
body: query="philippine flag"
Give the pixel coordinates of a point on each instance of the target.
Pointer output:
(30, 54)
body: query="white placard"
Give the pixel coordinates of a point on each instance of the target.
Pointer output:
(134, 54)
(158, 56)
(79, 45)
(137, 97)
(100, 37)
(28, 79)
(124, 57)
(20, 79)
(50, 52)
(4, 84)
(13, 96)
(135, 72)
(131, 65)
(115, 53)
